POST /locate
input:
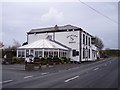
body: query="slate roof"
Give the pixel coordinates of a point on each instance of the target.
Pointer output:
(59, 28)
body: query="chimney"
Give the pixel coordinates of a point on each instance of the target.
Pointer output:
(56, 27)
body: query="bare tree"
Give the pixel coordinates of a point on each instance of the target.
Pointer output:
(1, 44)
(16, 43)
(99, 43)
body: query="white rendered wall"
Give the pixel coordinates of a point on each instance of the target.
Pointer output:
(34, 37)
(88, 47)
(63, 38)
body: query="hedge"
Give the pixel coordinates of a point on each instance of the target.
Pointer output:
(16, 60)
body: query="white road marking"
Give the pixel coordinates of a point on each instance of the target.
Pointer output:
(28, 77)
(44, 73)
(96, 68)
(6, 81)
(71, 78)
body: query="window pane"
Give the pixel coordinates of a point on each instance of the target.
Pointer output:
(50, 53)
(55, 54)
(89, 53)
(31, 52)
(27, 53)
(23, 54)
(83, 39)
(83, 53)
(45, 53)
(36, 53)
(74, 53)
(19, 53)
(86, 40)
(40, 53)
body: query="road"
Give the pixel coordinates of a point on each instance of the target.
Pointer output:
(100, 74)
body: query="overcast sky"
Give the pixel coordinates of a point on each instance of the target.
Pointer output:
(20, 17)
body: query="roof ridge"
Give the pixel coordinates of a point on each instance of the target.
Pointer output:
(54, 26)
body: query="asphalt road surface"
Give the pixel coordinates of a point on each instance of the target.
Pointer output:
(100, 74)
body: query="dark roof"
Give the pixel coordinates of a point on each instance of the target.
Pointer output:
(56, 29)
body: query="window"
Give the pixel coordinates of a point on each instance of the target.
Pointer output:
(77, 53)
(36, 53)
(92, 40)
(83, 38)
(31, 52)
(40, 53)
(50, 53)
(86, 40)
(55, 54)
(86, 53)
(45, 53)
(21, 53)
(83, 53)
(89, 53)
(89, 41)
(27, 53)
(61, 53)
(74, 53)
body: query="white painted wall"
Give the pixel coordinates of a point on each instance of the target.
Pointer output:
(88, 47)
(63, 38)
(34, 37)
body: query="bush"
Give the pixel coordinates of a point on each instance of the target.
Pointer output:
(16, 60)
(50, 60)
(44, 61)
(64, 59)
(56, 60)
(37, 59)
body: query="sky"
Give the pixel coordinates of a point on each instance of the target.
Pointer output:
(20, 17)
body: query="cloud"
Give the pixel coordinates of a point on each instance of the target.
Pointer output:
(53, 15)
(18, 18)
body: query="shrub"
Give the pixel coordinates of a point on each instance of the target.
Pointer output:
(56, 60)
(37, 59)
(44, 61)
(16, 60)
(64, 59)
(50, 60)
